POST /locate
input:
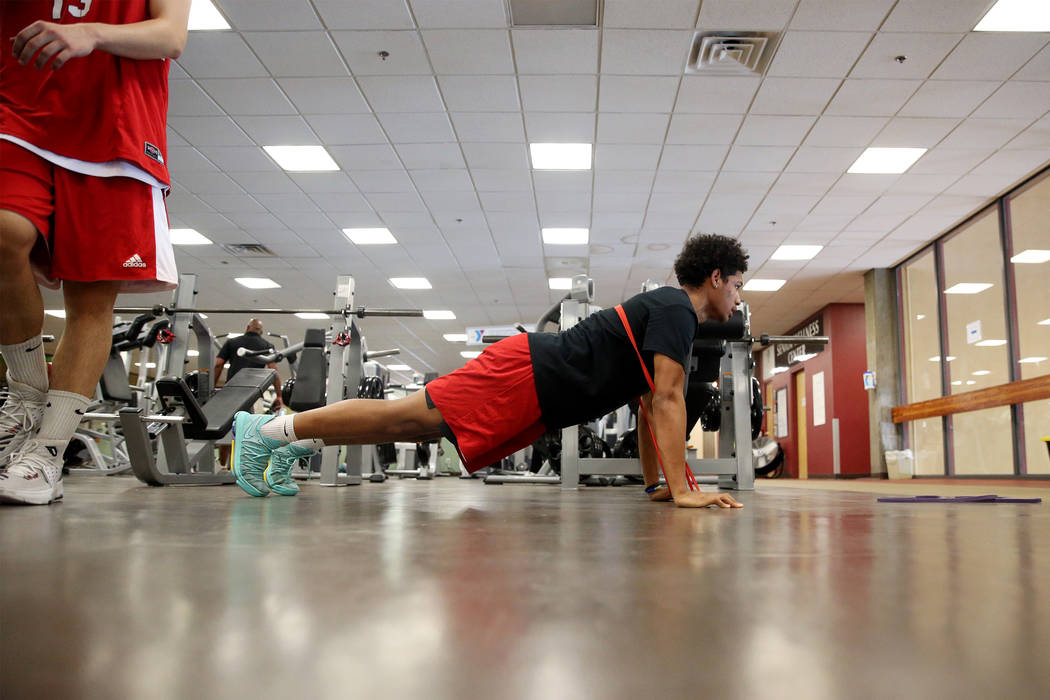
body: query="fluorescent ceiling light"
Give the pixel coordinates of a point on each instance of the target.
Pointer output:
(796, 252)
(204, 16)
(470, 354)
(188, 236)
(1032, 255)
(937, 358)
(885, 161)
(410, 282)
(1032, 360)
(455, 337)
(981, 372)
(57, 313)
(307, 316)
(566, 236)
(760, 285)
(957, 382)
(256, 282)
(302, 159)
(1016, 16)
(560, 282)
(970, 382)
(438, 314)
(967, 288)
(370, 236)
(399, 368)
(560, 156)
(990, 343)
(193, 353)
(1044, 322)
(919, 317)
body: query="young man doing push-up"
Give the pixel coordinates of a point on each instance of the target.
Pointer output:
(503, 400)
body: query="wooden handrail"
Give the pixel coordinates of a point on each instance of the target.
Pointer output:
(1001, 395)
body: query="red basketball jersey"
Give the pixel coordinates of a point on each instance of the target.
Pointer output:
(97, 108)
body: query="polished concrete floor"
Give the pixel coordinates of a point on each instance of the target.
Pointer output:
(453, 589)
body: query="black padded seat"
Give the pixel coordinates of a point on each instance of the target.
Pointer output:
(311, 376)
(213, 419)
(114, 381)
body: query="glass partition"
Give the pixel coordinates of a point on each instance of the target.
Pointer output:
(922, 359)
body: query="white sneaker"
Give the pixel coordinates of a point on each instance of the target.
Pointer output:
(34, 474)
(20, 414)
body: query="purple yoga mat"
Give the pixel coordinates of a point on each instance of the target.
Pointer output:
(990, 498)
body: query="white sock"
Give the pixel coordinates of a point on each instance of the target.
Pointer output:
(26, 362)
(310, 444)
(280, 428)
(62, 415)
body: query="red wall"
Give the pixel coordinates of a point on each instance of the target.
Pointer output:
(843, 363)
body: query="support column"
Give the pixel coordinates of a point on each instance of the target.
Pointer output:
(882, 326)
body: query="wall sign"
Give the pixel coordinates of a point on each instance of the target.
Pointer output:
(973, 332)
(818, 399)
(785, 354)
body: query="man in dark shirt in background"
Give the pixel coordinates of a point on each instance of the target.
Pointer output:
(251, 340)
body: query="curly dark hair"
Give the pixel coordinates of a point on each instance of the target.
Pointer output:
(704, 253)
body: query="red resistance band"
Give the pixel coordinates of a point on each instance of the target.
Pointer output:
(690, 479)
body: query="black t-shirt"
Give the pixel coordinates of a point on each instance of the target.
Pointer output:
(591, 369)
(249, 341)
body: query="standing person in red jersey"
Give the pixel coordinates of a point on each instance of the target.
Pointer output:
(83, 104)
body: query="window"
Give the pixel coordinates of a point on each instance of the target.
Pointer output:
(923, 359)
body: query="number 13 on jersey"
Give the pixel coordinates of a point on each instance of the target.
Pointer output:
(78, 12)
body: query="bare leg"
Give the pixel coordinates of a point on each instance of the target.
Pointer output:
(23, 314)
(85, 344)
(371, 421)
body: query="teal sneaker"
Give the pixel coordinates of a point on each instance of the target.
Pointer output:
(278, 475)
(251, 452)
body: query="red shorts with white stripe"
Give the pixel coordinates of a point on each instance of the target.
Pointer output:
(490, 403)
(92, 228)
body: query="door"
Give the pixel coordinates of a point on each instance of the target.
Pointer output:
(800, 423)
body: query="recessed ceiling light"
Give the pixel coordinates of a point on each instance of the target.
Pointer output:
(204, 16)
(370, 236)
(957, 382)
(256, 282)
(1044, 322)
(967, 288)
(1032, 255)
(919, 317)
(308, 316)
(1032, 360)
(438, 314)
(187, 236)
(410, 282)
(937, 358)
(885, 161)
(981, 372)
(990, 343)
(970, 382)
(1016, 16)
(302, 159)
(455, 337)
(559, 282)
(193, 353)
(57, 313)
(470, 354)
(760, 285)
(796, 252)
(560, 156)
(566, 236)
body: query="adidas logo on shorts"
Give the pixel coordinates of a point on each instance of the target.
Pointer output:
(134, 261)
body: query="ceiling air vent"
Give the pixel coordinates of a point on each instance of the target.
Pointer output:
(248, 250)
(731, 53)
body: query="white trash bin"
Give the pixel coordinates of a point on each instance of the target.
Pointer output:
(900, 464)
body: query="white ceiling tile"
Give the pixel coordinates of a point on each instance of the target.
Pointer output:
(503, 201)
(212, 183)
(857, 183)
(352, 219)
(817, 54)
(668, 202)
(396, 202)
(799, 96)
(610, 181)
(346, 129)
(469, 51)
(187, 99)
(496, 156)
(958, 206)
(174, 139)
(406, 55)
(219, 55)
(986, 185)
(872, 98)
(668, 14)
(239, 158)
(645, 51)
(839, 15)
(691, 182)
(609, 156)
(563, 127)
(296, 54)
(936, 15)
(727, 213)
(616, 202)
(922, 51)
(366, 157)
(324, 95)
(175, 72)
(398, 220)
(209, 131)
(575, 206)
(745, 14)
(406, 93)
(324, 183)
(844, 205)
(948, 98)
(232, 202)
(820, 159)
(945, 161)
(248, 96)
(687, 157)
(1017, 99)
(1037, 68)
(629, 93)
(248, 15)
(278, 131)
(489, 126)
(456, 203)
(432, 181)
(914, 132)
(632, 128)
(460, 13)
(804, 183)
(555, 51)
(676, 221)
(703, 128)
(430, 155)
(1015, 163)
(426, 127)
(371, 181)
(744, 181)
(984, 133)
(1035, 136)
(559, 181)
(845, 131)
(559, 93)
(990, 55)
(923, 183)
(365, 14)
(758, 158)
(294, 202)
(265, 183)
(715, 94)
(763, 130)
(489, 93)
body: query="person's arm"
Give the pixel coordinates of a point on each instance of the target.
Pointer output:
(277, 402)
(668, 422)
(647, 454)
(216, 371)
(161, 36)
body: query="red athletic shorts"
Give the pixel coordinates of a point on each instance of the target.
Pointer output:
(92, 228)
(490, 403)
